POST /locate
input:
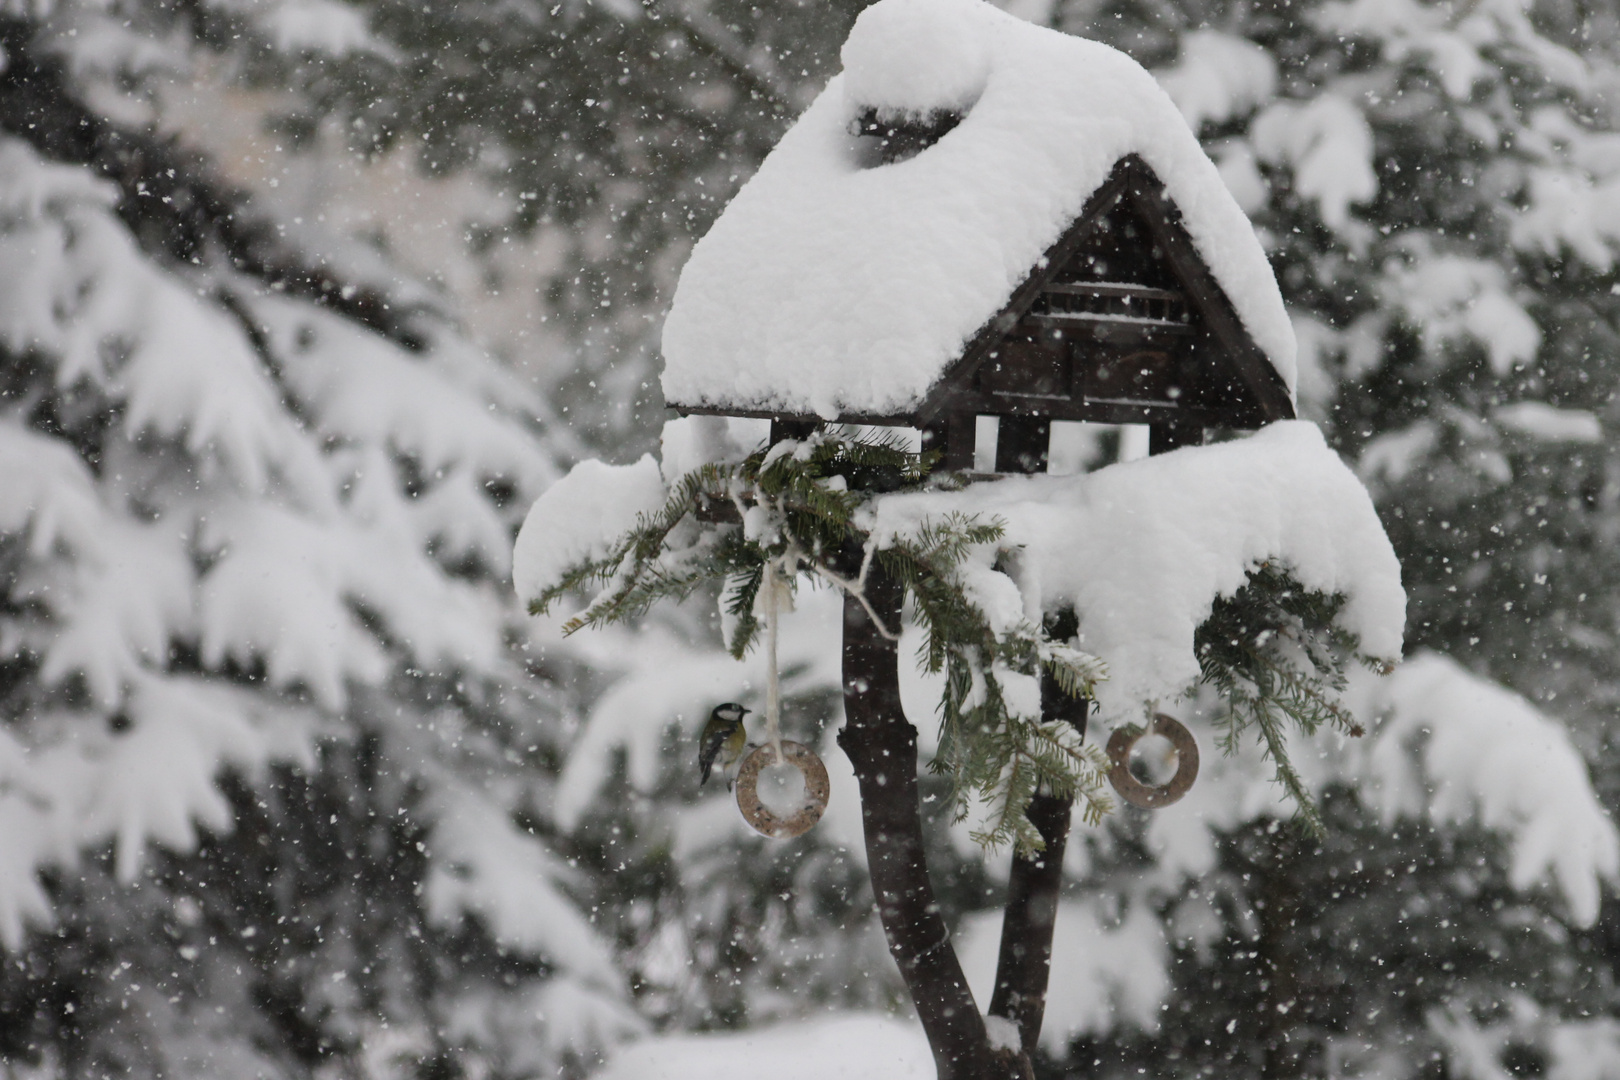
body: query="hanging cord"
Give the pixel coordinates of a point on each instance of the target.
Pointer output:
(774, 585)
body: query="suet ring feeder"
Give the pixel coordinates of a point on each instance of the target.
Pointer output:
(1149, 796)
(761, 818)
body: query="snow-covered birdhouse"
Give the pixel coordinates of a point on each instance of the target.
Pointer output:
(983, 217)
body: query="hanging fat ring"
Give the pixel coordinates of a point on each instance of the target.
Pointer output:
(1149, 796)
(761, 818)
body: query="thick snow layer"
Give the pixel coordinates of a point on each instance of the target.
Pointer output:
(482, 864)
(1486, 755)
(1329, 145)
(1219, 77)
(1443, 744)
(827, 287)
(850, 1047)
(1448, 298)
(690, 442)
(579, 516)
(152, 783)
(1547, 423)
(1142, 550)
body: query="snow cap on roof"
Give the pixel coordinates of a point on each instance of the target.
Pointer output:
(831, 288)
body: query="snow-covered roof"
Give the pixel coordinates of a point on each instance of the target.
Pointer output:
(831, 288)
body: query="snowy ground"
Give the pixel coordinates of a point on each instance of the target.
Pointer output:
(847, 1047)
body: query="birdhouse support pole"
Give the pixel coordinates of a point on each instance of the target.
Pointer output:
(953, 435)
(1024, 964)
(1023, 444)
(882, 746)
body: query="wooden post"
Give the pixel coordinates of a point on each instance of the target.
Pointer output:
(1024, 964)
(882, 746)
(1173, 435)
(1023, 444)
(955, 435)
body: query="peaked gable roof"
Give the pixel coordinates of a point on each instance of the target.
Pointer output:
(1240, 383)
(833, 286)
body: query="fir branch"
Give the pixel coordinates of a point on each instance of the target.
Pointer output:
(1276, 653)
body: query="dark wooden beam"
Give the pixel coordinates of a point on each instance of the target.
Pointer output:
(1023, 444)
(1173, 435)
(955, 435)
(874, 419)
(790, 429)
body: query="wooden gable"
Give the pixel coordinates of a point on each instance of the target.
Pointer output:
(1121, 322)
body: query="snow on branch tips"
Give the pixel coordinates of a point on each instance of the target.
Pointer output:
(1258, 566)
(1461, 749)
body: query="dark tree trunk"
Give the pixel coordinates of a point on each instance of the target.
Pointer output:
(1025, 962)
(1024, 965)
(882, 746)
(1289, 1052)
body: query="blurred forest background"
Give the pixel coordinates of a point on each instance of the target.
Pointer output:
(302, 303)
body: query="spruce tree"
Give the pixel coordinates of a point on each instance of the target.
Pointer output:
(1435, 186)
(275, 759)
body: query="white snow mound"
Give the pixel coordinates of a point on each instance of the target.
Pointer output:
(1142, 550)
(830, 288)
(1461, 749)
(916, 57)
(578, 517)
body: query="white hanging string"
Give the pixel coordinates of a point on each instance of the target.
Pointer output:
(774, 583)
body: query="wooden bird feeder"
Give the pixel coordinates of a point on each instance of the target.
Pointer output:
(1120, 322)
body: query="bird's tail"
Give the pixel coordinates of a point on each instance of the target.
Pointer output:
(707, 765)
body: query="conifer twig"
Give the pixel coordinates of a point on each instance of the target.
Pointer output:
(854, 589)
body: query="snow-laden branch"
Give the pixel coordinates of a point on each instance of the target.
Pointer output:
(1141, 551)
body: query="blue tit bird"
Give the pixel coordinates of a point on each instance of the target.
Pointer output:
(723, 737)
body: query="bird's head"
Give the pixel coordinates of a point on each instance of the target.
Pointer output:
(730, 712)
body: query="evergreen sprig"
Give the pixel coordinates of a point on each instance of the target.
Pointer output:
(798, 501)
(1273, 649)
(991, 752)
(1277, 654)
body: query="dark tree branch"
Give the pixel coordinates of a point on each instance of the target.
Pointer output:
(1023, 967)
(883, 748)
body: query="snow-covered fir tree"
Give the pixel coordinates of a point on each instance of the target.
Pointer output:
(257, 531)
(274, 760)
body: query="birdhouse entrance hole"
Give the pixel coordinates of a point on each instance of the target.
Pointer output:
(887, 140)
